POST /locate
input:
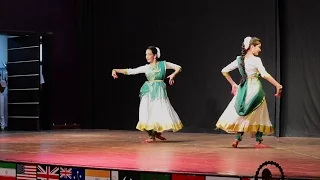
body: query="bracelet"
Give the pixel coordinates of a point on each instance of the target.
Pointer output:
(114, 70)
(279, 87)
(266, 76)
(225, 74)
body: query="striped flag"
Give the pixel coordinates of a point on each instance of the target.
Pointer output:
(94, 174)
(7, 171)
(26, 172)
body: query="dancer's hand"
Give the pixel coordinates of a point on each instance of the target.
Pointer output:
(171, 79)
(234, 89)
(279, 92)
(114, 74)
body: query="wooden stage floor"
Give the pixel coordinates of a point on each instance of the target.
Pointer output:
(182, 153)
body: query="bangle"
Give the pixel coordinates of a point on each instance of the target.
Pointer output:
(225, 74)
(279, 87)
(114, 70)
(266, 76)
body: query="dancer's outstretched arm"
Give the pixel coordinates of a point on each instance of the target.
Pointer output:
(138, 70)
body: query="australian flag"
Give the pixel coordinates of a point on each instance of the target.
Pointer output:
(70, 173)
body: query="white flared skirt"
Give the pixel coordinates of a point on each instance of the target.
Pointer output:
(256, 121)
(158, 115)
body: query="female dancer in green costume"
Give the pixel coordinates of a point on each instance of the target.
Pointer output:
(156, 114)
(247, 111)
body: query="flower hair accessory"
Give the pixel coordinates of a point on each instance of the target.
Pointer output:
(158, 52)
(246, 42)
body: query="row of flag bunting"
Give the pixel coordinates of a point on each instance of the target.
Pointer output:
(13, 171)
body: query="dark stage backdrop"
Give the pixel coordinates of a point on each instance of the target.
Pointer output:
(201, 36)
(62, 73)
(300, 57)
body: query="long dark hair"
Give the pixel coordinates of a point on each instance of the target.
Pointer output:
(254, 41)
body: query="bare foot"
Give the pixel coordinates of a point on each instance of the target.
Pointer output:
(235, 143)
(151, 140)
(260, 145)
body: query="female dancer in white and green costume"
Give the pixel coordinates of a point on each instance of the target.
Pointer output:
(156, 114)
(247, 111)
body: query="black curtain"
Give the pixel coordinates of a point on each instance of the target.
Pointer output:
(61, 66)
(300, 62)
(85, 47)
(202, 37)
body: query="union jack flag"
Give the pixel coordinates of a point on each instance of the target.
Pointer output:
(65, 173)
(68, 173)
(45, 172)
